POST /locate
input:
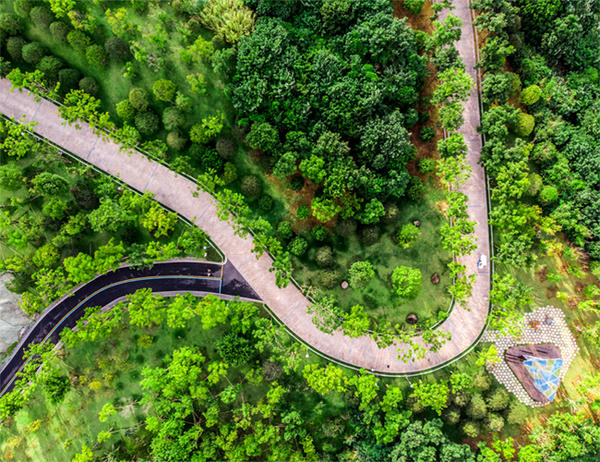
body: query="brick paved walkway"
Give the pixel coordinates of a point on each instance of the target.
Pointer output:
(178, 193)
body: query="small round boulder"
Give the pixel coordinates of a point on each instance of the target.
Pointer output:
(412, 318)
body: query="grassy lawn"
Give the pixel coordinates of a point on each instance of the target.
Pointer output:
(110, 371)
(385, 255)
(426, 254)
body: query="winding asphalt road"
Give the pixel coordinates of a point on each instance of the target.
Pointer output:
(181, 276)
(288, 305)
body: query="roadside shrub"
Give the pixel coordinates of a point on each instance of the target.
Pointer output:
(251, 186)
(69, 79)
(414, 6)
(125, 110)
(164, 90)
(172, 118)
(59, 31)
(324, 257)
(176, 140)
(298, 246)
(407, 281)
(146, 122)
(32, 53)
(22, 7)
(229, 173)
(525, 125)
(530, 95)
(117, 49)
(426, 165)
(40, 15)
(360, 273)
(50, 66)
(226, 147)
(95, 55)
(14, 47)
(370, 235)
(407, 235)
(427, 133)
(10, 23)
(138, 97)
(89, 85)
(78, 40)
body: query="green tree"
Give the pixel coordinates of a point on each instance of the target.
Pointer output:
(313, 169)
(145, 308)
(138, 97)
(96, 55)
(356, 323)
(164, 90)
(207, 130)
(360, 273)
(372, 212)
(325, 380)
(407, 281)
(407, 235)
(414, 6)
(158, 221)
(229, 19)
(80, 268)
(263, 136)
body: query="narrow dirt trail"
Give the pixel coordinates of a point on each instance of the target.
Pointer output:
(288, 304)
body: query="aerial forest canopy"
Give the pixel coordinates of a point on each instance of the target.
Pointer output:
(332, 84)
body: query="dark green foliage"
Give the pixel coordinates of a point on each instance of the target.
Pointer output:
(89, 85)
(251, 186)
(14, 46)
(172, 118)
(50, 66)
(10, 23)
(320, 233)
(176, 140)
(146, 122)
(32, 53)
(56, 386)
(477, 408)
(138, 97)
(78, 40)
(428, 442)
(41, 16)
(264, 137)
(427, 133)
(496, 88)
(95, 55)
(235, 349)
(116, 49)
(346, 227)
(265, 203)
(369, 235)
(284, 230)
(69, 79)
(298, 246)
(225, 147)
(414, 6)
(59, 31)
(22, 7)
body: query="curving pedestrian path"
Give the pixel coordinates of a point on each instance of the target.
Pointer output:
(167, 278)
(287, 304)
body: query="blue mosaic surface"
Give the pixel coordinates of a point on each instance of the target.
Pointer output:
(545, 373)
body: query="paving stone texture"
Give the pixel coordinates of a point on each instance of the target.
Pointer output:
(556, 333)
(289, 304)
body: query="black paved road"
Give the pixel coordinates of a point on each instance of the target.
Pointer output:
(162, 277)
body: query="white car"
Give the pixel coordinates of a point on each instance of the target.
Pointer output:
(482, 262)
